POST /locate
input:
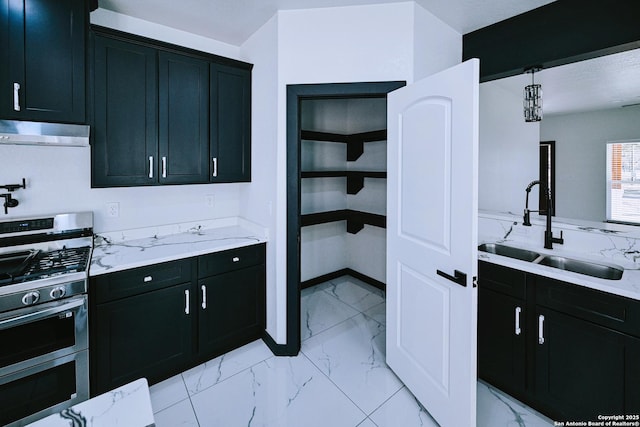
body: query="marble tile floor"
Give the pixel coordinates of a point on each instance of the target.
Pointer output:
(339, 379)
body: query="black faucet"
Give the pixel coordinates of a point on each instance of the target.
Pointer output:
(9, 201)
(549, 240)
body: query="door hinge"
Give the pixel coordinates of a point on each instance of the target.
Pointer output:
(475, 281)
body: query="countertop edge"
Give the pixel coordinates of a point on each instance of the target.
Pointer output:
(565, 276)
(131, 249)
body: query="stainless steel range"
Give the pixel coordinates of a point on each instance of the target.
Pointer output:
(44, 266)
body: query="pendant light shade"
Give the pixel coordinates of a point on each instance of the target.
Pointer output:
(532, 100)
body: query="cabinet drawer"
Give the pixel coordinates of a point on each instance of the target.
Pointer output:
(502, 279)
(233, 259)
(140, 280)
(613, 311)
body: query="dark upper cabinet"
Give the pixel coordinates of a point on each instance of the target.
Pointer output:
(184, 119)
(42, 63)
(166, 115)
(230, 124)
(125, 115)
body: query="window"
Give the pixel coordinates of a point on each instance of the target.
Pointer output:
(623, 182)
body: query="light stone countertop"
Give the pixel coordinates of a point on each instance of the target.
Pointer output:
(628, 286)
(598, 242)
(123, 250)
(129, 405)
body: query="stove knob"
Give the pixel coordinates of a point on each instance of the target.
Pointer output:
(57, 292)
(31, 298)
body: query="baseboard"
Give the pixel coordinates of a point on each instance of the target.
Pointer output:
(343, 272)
(279, 349)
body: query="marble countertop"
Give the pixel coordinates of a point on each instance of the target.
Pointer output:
(628, 286)
(128, 249)
(129, 405)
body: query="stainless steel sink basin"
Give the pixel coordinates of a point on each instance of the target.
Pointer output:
(508, 251)
(588, 268)
(583, 267)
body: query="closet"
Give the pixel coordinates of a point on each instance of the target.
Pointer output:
(336, 189)
(343, 163)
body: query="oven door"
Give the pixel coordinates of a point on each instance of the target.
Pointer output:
(41, 390)
(41, 333)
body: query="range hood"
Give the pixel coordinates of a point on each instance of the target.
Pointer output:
(49, 134)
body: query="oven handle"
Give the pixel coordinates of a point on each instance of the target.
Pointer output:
(39, 314)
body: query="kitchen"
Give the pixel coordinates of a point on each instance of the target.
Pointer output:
(293, 47)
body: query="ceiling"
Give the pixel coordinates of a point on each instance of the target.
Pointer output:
(233, 21)
(606, 82)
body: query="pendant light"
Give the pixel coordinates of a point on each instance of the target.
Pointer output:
(532, 99)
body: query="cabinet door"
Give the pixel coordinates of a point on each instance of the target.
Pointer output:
(580, 367)
(632, 375)
(184, 119)
(230, 124)
(44, 55)
(231, 310)
(124, 150)
(501, 340)
(147, 335)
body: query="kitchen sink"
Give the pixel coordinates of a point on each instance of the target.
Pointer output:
(583, 267)
(588, 268)
(508, 251)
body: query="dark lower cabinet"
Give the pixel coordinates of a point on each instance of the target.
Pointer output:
(580, 367)
(501, 341)
(158, 320)
(147, 335)
(43, 60)
(576, 354)
(232, 310)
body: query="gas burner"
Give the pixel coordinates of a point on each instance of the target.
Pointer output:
(56, 262)
(43, 252)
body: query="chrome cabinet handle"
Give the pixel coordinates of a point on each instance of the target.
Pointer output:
(518, 311)
(164, 167)
(204, 297)
(147, 279)
(215, 166)
(16, 96)
(150, 166)
(186, 301)
(541, 329)
(235, 259)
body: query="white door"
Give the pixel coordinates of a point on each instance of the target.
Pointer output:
(432, 206)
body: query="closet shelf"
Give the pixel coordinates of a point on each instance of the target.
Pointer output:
(356, 220)
(355, 141)
(355, 179)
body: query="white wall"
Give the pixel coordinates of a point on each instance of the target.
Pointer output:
(581, 157)
(509, 151)
(110, 19)
(436, 45)
(340, 44)
(258, 199)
